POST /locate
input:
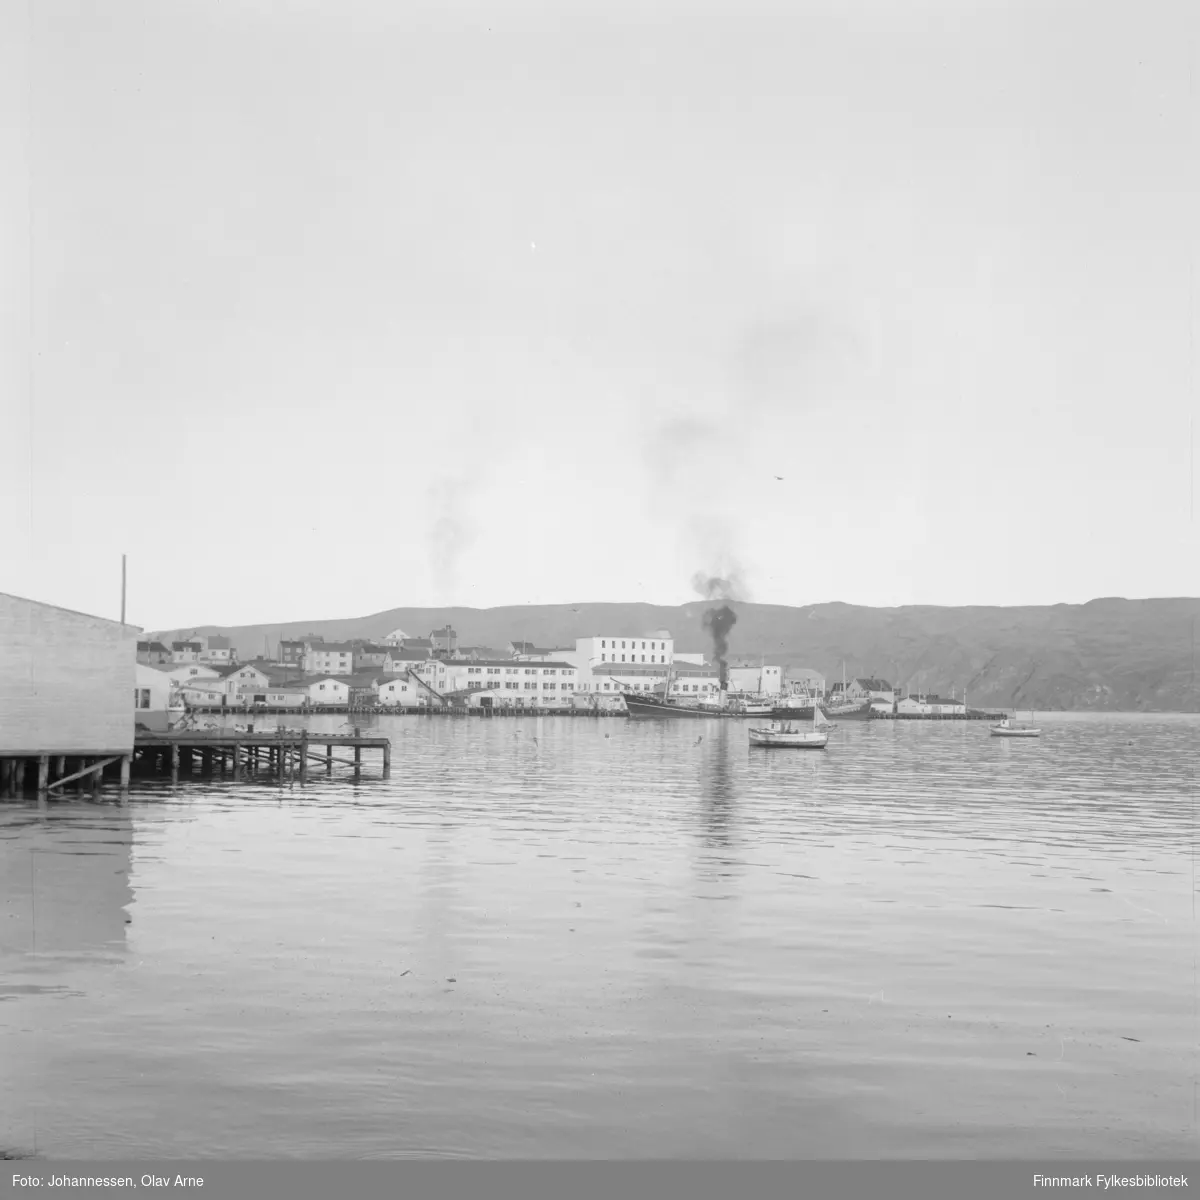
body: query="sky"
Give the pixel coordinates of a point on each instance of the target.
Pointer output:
(315, 309)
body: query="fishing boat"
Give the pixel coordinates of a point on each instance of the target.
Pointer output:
(792, 734)
(1007, 729)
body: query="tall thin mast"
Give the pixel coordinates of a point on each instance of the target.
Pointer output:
(122, 589)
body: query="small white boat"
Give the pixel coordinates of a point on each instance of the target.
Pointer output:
(1007, 729)
(793, 734)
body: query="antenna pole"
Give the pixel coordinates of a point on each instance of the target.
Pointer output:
(122, 589)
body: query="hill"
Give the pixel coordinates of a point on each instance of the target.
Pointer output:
(1106, 655)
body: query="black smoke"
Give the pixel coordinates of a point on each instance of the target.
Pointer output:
(718, 621)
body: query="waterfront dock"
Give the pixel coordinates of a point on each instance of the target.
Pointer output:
(284, 754)
(973, 715)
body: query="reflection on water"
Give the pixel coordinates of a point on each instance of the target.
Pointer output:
(573, 938)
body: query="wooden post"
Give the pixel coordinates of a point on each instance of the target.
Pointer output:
(329, 759)
(304, 758)
(206, 762)
(357, 757)
(387, 759)
(60, 767)
(126, 763)
(175, 764)
(43, 778)
(5, 774)
(95, 782)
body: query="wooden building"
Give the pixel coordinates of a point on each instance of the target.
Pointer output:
(67, 694)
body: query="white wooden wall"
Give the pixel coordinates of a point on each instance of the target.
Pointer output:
(66, 680)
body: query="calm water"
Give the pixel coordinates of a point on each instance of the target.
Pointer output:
(580, 938)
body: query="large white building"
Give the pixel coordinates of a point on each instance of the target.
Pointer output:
(760, 681)
(655, 648)
(533, 683)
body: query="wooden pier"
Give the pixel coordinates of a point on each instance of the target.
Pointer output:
(282, 754)
(51, 773)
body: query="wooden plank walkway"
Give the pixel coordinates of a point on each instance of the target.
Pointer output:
(284, 753)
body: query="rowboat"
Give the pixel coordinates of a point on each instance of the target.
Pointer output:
(1007, 729)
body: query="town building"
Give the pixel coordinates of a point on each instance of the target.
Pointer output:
(367, 656)
(156, 707)
(657, 647)
(538, 684)
(291, 653)
(153, 653)
(218, 651)
(186, 652)
(444, 641)
(404, 691)
(761, 680)
(395, 638)
(329, 658)
(182, 672)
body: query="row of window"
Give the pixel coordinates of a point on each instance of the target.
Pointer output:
(632, 646)
(633, 658)
(512, 670)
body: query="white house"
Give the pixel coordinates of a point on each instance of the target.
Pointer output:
(217, 650)
(403, 691)
(204, 693)
(395, 638)
(329, 658)
(861, 688)
(187, 672)
(155, 706)
(325, 691)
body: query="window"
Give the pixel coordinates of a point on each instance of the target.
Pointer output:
(622, 658)
(602, 658)
(643, 656)
(141, 697)
(622, 647)
(549, 687)
(321, 687)
(643, 647)
(602, 644)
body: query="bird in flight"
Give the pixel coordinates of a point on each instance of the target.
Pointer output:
(778, 476)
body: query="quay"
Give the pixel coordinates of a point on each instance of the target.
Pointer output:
(284, 754)
(968, 716)
(449, 710)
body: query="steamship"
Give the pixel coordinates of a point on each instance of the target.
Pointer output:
(646, 704)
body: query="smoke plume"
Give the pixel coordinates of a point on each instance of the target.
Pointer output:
(720, 620)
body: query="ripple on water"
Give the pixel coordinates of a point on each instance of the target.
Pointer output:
(619, 943)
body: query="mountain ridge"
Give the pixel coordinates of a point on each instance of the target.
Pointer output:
(1108, 654)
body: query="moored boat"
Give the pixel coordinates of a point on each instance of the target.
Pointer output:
(793, 734)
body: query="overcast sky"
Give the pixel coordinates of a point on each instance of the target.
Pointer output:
(315, 309)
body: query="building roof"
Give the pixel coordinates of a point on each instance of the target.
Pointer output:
(512, 663)
(153, 647)
(334, 648)
(186, 645)
(369, 648)
(873, 685)
(217, 642)
(417, 644)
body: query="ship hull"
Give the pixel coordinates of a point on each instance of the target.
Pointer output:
(640, 706)
(862, 713)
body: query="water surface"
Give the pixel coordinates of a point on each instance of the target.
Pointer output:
(556, 937)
